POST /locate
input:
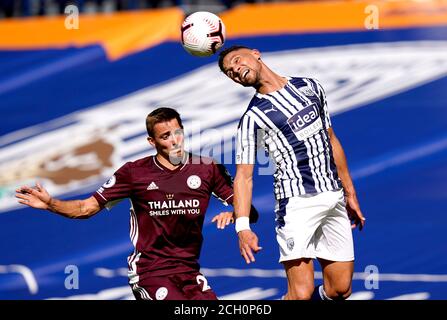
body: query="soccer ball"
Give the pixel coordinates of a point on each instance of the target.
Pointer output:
(203, 33)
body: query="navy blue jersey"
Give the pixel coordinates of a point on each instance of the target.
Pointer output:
(292, 123)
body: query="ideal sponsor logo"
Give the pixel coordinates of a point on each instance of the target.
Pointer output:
(306, 122)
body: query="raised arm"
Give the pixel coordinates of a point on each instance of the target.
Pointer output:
(39, 198)
(352, 204)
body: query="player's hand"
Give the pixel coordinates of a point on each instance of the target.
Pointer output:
(36, 197)
(223, 219)
(354, 212)
(248, 243)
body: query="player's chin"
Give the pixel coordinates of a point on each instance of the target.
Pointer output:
(176, 156)
(247, 82)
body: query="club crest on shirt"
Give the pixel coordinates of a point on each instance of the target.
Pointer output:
(307, 91)
(194, 182)
(290, 244)
(110, 183)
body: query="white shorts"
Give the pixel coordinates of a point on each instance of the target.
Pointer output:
(315, 226)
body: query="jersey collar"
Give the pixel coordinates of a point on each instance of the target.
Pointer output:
(159, 165)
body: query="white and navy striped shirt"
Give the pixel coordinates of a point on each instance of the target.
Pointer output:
(292, 123)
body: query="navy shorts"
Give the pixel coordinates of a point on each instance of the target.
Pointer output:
(182, 286)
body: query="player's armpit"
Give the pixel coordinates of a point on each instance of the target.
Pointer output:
(225, 174)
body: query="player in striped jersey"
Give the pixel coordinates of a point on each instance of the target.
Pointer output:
(169, 194)
(315, 195)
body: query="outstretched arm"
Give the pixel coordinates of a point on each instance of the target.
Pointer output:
(352, 204)
(38, 197)
(243, 187)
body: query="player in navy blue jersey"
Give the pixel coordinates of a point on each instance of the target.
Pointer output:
(315, 195)
(169, 194)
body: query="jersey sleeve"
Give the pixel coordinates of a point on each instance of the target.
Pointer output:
(246, 146)
(322, 96)
(223, 186)
(115, 189)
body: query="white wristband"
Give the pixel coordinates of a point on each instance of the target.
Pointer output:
(242, 223)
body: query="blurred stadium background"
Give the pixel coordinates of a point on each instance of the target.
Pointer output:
(74, 101)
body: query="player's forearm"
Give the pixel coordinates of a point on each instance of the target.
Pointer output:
(342, 165)
(74, 209)
(242, 196)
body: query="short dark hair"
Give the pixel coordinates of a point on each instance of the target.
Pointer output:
(223, 53)
(162, 114)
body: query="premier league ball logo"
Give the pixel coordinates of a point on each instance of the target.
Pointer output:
(110, 182)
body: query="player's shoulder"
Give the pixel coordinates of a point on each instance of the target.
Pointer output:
(254, 102)
(142, 162)
(304, 81)
(307, 85)
(258, 101)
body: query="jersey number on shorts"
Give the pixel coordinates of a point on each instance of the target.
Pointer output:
(200, 279)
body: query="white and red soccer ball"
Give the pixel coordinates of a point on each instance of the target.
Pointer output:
(203, 33)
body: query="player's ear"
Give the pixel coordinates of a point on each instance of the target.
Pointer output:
(257, 54)
(151, 141)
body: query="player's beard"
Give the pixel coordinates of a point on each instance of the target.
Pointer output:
(251, 79)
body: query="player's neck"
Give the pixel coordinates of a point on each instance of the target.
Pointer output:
(271, 82)
(168, 164)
